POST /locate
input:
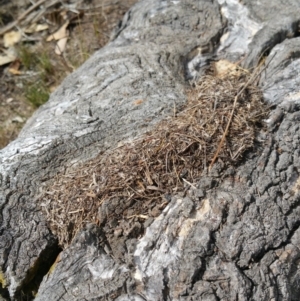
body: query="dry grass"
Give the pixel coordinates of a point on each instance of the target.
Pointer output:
(176, 152)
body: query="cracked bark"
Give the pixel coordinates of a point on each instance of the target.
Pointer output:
(235, 237)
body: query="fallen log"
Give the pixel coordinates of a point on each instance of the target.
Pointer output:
(233, 234)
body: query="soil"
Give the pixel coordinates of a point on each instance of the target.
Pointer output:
(37, 70)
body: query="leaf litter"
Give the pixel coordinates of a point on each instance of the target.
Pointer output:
(123, 187)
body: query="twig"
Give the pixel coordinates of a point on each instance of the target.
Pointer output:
(20, 18)
(186, 181)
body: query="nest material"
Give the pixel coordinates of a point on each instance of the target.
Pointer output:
(174, 153)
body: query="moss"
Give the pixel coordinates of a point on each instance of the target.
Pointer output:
(38, 270)
(27, 57)
(52, 268)
(2, 279)
(37, 94)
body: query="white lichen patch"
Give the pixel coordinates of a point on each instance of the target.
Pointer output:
(241, 28)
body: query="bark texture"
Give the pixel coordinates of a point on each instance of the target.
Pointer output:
(233, 238)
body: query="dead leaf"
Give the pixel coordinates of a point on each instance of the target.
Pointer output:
(11, 38)
(18, 119)
(61, 45)
(5, 59)
(59, 34)
(14, 71)
(31, 28)
(41, 27)
(224, 68)
(138, 102)
(14, 67)
(8, 57)
(34, 27)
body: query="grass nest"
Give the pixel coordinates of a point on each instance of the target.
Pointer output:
(219, 122)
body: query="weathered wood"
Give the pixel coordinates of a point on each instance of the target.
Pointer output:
(233, 238)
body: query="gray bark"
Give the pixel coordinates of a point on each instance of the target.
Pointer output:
(231, 239)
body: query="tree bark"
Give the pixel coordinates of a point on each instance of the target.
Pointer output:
(232, 238)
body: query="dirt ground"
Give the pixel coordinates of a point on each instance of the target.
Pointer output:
(36, 70)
